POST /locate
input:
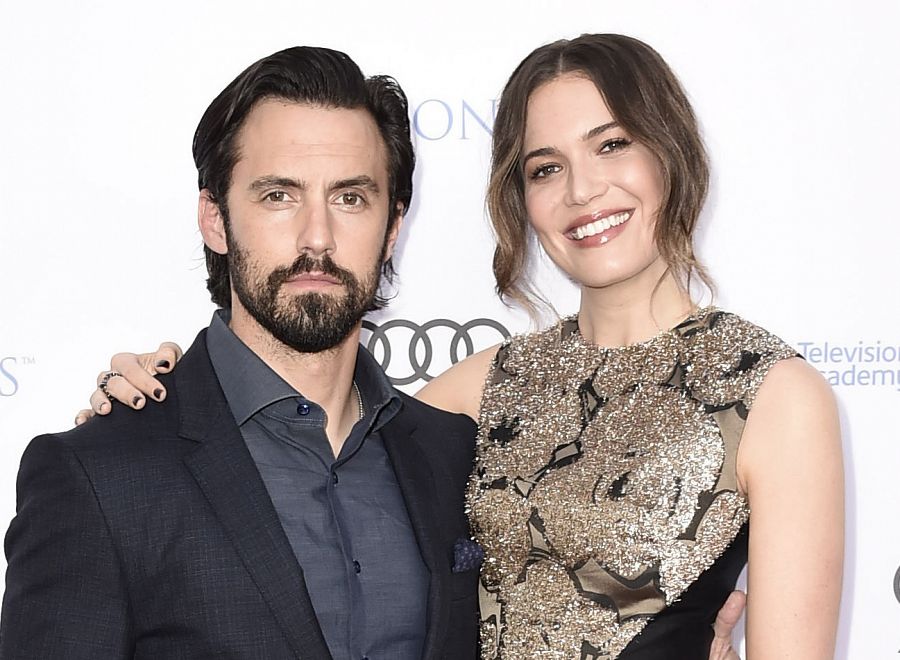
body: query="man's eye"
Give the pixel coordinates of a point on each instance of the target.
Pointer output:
(351, 199)
(277, 196)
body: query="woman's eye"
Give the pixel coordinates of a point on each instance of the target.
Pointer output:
(543, 171)
(615, 144)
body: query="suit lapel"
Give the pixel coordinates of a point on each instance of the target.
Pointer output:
(417, 486)
(228, 477)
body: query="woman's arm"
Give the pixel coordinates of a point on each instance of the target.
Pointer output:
(790, 466)
(457, 390)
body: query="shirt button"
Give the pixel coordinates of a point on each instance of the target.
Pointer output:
(356, 566)
(303, 408)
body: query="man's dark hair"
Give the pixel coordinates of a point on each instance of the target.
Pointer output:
(309, 75)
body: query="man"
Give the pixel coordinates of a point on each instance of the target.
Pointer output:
(286, 502)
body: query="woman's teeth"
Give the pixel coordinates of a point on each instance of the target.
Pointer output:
(600, 226)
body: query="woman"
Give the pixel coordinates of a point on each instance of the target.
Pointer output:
(621, 451)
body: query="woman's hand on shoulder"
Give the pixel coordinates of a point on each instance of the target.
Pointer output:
(130, 379)
(791, 467)
(459, 388)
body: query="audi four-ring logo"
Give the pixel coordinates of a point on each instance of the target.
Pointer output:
(419, 343)
(897, 585)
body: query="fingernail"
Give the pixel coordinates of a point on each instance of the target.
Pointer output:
(157, 393)
(135, 401)
(162, 364)
(103, 405)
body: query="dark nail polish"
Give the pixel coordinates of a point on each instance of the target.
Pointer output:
(157, 393)
(162, 364)
(136, 400)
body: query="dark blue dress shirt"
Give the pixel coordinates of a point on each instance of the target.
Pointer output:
(345, 517)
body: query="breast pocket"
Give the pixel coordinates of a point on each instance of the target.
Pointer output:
(464, 585)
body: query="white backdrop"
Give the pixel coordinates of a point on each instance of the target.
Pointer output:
(799, 103)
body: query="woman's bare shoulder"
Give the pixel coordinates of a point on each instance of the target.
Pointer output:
(794, 422)
(794, 386)
(459, 388)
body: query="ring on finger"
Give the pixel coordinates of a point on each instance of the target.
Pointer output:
(104, 383)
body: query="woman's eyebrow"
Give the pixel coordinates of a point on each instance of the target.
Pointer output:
(599, 130)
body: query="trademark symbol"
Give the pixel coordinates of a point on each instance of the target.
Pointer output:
(27, 359)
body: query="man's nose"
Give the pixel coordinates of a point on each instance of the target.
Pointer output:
(316, 231)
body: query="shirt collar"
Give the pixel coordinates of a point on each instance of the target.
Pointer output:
(378, 394)
(250, 385)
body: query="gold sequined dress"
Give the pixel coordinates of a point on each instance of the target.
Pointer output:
(605, 493)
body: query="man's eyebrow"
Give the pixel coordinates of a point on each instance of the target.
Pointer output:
(550, 151)
(274, 181)
(361, 181)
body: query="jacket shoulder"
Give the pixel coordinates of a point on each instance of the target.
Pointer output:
(123, 426)
(192, 390)
(439, 420)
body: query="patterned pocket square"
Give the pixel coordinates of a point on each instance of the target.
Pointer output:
(467, 555)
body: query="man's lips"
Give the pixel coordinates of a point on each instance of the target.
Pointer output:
(314, 278)
(598, 222)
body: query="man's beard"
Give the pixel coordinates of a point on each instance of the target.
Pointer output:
(309, 322)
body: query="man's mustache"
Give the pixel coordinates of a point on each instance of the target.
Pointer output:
(306, 264)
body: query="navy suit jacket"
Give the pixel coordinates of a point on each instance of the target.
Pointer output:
(151, 535)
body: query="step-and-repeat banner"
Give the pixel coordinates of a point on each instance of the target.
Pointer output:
(799, 101)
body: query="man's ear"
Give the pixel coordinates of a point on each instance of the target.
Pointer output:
(211, 223)
(394, 233)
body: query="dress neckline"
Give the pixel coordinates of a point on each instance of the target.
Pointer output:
(572, 331)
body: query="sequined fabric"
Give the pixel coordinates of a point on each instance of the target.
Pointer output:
(605, 481)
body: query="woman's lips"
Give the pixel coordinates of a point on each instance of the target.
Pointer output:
(600, 227)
